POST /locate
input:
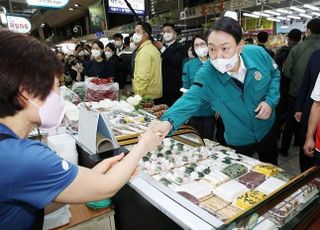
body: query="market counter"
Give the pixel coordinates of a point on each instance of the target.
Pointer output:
(84, 218)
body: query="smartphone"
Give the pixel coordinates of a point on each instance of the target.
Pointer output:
(159, 37)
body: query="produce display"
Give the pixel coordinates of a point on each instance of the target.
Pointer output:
(270, 185)
(157, 110)
(252, 179)
(219, 208)
(249, 199)
(235, 170)
(266, 169)
(99, 89)
(230, 190)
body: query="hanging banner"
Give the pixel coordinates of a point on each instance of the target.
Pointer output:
(120, 7)
(18, 24)
(251, 25)
(48, 3)
(97, 18)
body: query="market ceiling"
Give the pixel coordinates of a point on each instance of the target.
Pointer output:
(53, 17)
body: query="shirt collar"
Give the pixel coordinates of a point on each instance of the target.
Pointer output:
(241, 68)
(6, 130)
(169, 44)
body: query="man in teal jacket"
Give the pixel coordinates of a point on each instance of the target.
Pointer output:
(242, 84)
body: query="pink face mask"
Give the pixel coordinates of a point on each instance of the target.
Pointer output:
(51, 112)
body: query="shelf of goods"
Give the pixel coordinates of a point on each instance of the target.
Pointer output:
(193, 184)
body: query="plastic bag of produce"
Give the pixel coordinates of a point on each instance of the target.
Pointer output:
(80, 89)
(68, 95)
(98, 89)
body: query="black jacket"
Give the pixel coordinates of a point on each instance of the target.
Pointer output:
(304, 101)
(270, 52)
(172, 60)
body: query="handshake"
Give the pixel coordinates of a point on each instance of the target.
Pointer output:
(155, 133)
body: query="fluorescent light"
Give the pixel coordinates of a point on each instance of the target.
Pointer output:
(294, 17)
(282, 18)
(3, 18)
(305, 15)
(261, 14)
(312, 7)
(250, 15)
(288, 19)
(284, 27)
(71, 9)
(272, 12)
(231, 14)
(316, 13)
(284, 11)
(274, 19)
(76, 5)
(297, 9)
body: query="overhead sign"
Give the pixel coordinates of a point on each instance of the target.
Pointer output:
(48, 3)
(18, 24)
(120, 7)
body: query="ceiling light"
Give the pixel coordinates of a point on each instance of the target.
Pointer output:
(76, 5)
(316, 13)
(294, 17)
(43, 25)
(272, 12)
(305, 16)
(281, 18)
(297, 9)
(71, 9)
(3, 18)
(274, 19)
(284, 27)
(284, 11)
(312, 7)
(261, 14)
(250, 15)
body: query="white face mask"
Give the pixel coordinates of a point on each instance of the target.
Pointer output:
(202, 51)
(118, 44)
(133, 46)
(108, 54)
(225, 64)
(137, 38)
(190, 54)
(168, 37)
(96, 53)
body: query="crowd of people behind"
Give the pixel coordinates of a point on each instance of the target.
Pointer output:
(164, 70)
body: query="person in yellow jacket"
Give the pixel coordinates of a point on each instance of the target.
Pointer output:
(147, 76)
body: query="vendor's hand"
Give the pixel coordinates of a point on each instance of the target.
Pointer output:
(161, 127)
(308, 147)
(151, 138)
(158, 44)
(263, 110)
(297, 116)
(106, 164)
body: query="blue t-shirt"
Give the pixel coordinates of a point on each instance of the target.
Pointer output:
(31, 177)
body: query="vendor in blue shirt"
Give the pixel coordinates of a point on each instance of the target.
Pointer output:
(242, 84)
(32, 176)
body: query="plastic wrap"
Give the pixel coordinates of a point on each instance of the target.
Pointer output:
(100, 89)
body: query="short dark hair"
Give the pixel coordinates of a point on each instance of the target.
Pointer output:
(126, 41)
(25, 64)
(262, 36)
(170, 25)
(145, 26)
(295, 35)
(112, 47)
(228, 25)
(249, 40)
(314, 26)
(118, 35)
(192, 43)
